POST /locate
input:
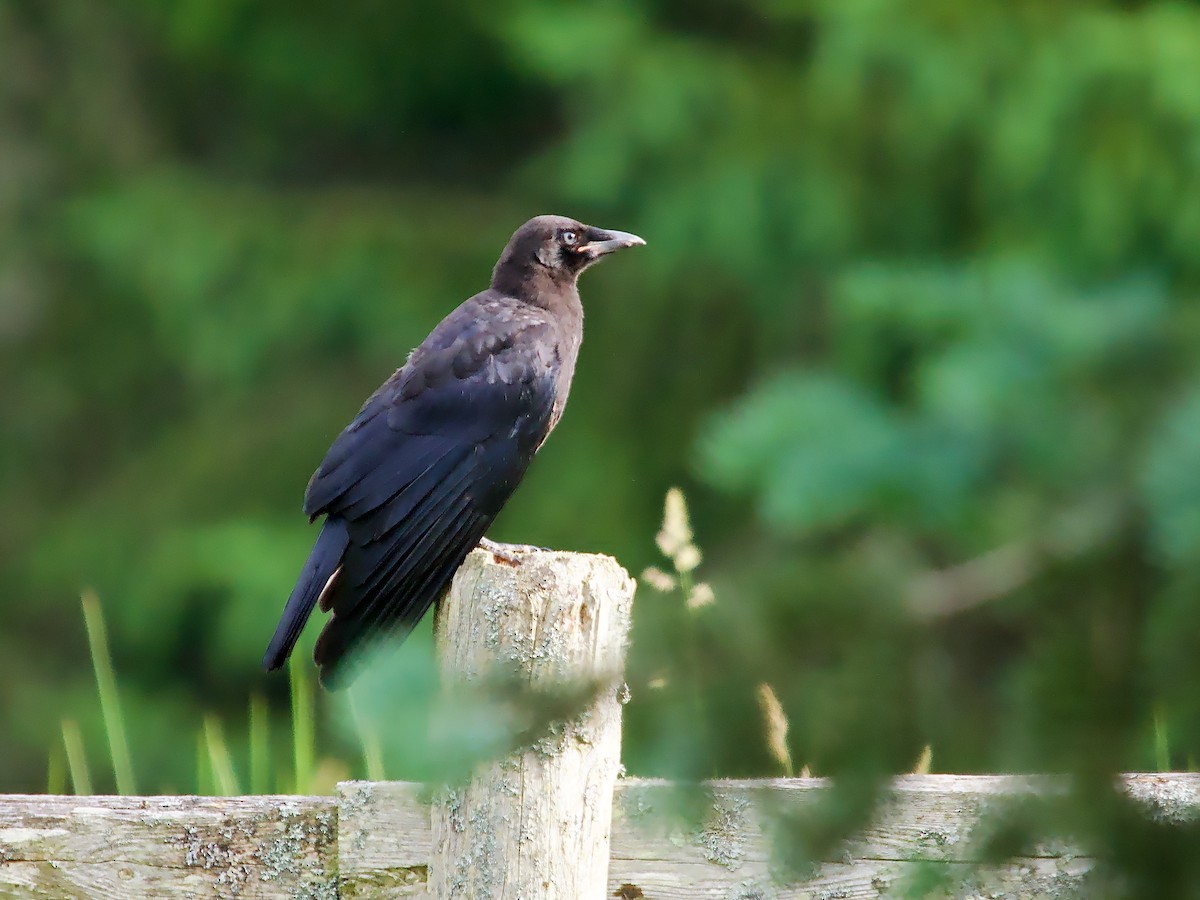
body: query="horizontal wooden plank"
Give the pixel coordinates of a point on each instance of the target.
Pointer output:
(923, 830)
(133, 848)
(378, 836)
(1035, 879)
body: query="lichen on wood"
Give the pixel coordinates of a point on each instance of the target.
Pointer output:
(242, 848)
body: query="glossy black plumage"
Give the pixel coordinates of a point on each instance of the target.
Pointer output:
(412, 484)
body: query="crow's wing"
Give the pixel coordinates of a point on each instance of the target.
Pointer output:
(418, 476)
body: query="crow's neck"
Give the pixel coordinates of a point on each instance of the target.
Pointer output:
(538, 286)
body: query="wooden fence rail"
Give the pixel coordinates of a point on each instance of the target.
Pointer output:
(550, 823)
(375, 840)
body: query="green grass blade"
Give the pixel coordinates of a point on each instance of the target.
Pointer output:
(81, 779)
(260, 745)
(218, 757)
(303, 730)
(369, 738)
(1162, 747)
(56, 771)
(204, 778)
(110, 702)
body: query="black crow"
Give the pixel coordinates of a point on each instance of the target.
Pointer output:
(412, 484)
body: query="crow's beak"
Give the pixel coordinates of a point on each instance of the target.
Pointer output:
(601, 242)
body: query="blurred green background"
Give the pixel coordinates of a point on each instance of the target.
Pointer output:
(916, 331)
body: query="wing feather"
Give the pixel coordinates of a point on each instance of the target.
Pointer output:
(416, 479)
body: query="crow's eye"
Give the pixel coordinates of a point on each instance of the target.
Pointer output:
(570, 238)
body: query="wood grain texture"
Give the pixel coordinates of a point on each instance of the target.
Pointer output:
(921, 836)
(384, 839)
(131, 848)
(536, 823)
(379, 837)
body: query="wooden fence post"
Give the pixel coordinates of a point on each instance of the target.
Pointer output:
(536, 824)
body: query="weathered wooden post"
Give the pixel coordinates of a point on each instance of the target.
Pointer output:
(535, 825)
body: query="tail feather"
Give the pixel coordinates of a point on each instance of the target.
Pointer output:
(321, 566)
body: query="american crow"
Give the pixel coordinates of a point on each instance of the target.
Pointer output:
(412, 484)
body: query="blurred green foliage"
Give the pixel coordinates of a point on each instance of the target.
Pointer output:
(916, 329)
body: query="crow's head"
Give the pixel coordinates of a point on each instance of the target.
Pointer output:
(557, 248)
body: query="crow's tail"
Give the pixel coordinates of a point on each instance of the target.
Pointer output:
(322, 564)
